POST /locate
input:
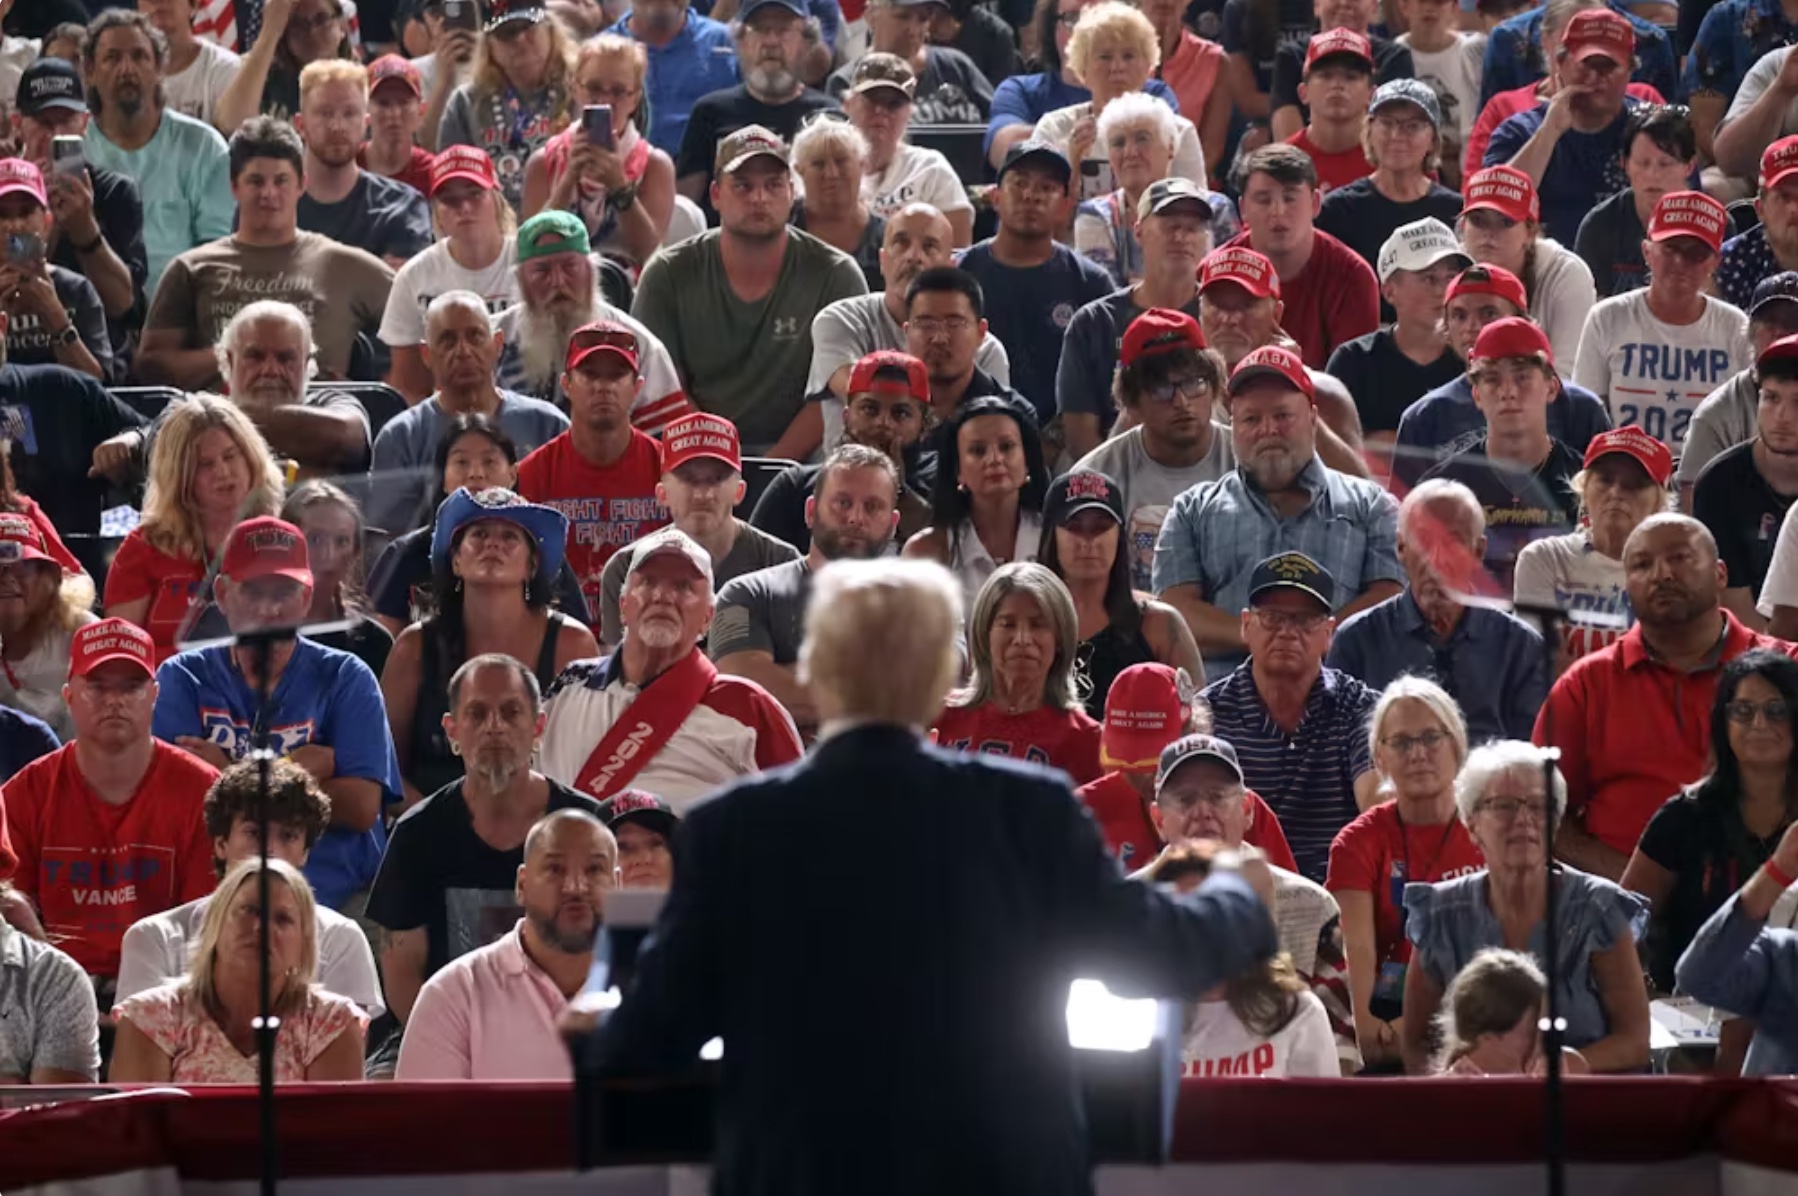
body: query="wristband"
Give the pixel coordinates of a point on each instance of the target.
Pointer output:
(1774, 872)
(84, 250)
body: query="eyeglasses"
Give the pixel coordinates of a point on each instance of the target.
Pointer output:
(312, 24)
(1185, 388)
(1413, 127)
(1509, 809)
(929, 327)
(1181, 802)
(1429, 741)
(1743, 714)
(1277, 621)
(610, 95)
(1067, 20)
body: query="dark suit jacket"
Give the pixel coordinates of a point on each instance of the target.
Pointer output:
(883, 934)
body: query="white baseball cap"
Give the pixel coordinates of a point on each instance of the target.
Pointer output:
(1420, 245)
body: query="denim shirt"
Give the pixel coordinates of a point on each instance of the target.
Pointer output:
(1739, 964)
(1733, 36)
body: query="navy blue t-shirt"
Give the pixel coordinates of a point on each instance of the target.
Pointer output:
(1584, 169)
(23, 738)
(1029, 311)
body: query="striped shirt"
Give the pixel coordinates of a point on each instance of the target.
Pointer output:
(1217, 532)
(1308, 777)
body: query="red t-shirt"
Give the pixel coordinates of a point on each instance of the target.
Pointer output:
(1334, 299)
(607, 507)
(1064, 739)
(172, 584)
(1130, 833)
(417, 171)
(96, 868)
(1378, 853)
(1334, 170)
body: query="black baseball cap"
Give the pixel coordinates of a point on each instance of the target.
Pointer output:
(1035, 151)
(1082, 490)
(642, 807)
(1196, 747)
(1293, 571)
(51, 83)
(1775, 288)
(751, 7)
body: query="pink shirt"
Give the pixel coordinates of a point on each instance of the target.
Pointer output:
(488, 1015)
(199, 1053)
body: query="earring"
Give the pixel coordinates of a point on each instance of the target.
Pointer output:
(455, 748)
(458, 585)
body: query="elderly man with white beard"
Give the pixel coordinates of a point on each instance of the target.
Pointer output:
(609, 729)
(558, 286)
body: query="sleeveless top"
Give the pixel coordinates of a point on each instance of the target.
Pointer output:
(433, 765)
(1106, 655)
(590, 198)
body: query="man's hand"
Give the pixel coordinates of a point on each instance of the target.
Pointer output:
(72, 204)
(316, 759)
(205, 749)
(112, 457)
(1559, 117)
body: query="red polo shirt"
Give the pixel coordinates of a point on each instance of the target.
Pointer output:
(1130, 833)
(1633, 732)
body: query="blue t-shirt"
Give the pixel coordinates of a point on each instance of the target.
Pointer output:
(1445, 423)
(1029, 310)
(1584, 169)
(23, 738)
(323, 697)
(700, 60)
(1026, 99)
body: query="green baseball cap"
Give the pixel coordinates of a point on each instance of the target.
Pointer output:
(549, 233)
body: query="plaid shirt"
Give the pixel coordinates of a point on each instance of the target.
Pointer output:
(1217, 532)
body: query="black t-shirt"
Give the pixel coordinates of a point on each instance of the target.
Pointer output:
(989, 42)
(1029, 311)
(867, 250)
(119, 211)
(382, 215)
(1610, 243)
(1361, 218)
(1390, 61)
(722, 113)
(1520, 507)
(1384, 381)
(55, 418)
(399, 585)
(365, 639)
(440, 875)
(1711, 854)
(28, 339)
(780, 511)
(1743, 512)
(950, 91)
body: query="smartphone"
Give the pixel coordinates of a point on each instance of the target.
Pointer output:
(596, 124)
(67, 156)
(461, 14)
(24, 249)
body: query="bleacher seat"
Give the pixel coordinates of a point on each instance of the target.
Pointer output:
(757, 473)
(381, 401)
(95, 554)
(147, 401)
(963, 145)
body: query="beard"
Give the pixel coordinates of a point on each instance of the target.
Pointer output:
(1274, 469)
(543, 336)
(836, 547)
(568, 940)
(495, 770)
(771, 80)
(657, 633)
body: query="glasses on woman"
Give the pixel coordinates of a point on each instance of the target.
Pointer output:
(613, 94)
(1429, 741)
(1193, 387)
(1509, 809)
(1067, 20)
(314, 23)
(1775, 712)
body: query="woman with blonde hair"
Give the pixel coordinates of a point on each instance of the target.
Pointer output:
(201, 1029)
(42, 603)
(1489, 1019)
(620, 185)
(209, 470)
(1024, 694)
(520, 94)
(268, 78)
(1114, 51)
(831, 158)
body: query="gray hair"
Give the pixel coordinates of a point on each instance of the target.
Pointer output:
(1063, 689)
(263, 311)
(1558, 14)
(1503, 758)
(881, 639)
(1436, 493)
(821, 135)
(1429, 695)
(1137, 108)
(450, 301)
(494, 660)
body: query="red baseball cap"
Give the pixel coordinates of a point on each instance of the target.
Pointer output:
(1510, 193)
(108, 640)
(466, 163)
(1779, 162)
(1242, 266)
(1338, 41)
(1689, 214)
(266, 547)
(1783, 349)
(1488, 279)
(20, 541)
(1599, 32)
(701, 435)
(602, 336)
(391, 66)
(1159, 330)
(889, 365)
(1636, 444)
(1275, 362)
(1145, 711)
(16, 175)
(1513, 336)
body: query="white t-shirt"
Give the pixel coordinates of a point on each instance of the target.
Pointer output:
(435, 272)
(1563, 297)
(1150, 488)
(1218, 1044)
(1781, 586)
(1454, 75)
(915, 175)
(1654, 375)
(195, 91)
(34, 682)
(1568, 573)
(16, 53)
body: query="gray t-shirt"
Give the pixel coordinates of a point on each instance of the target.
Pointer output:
(406, 452)
(753, 550)
(1728, 416)
(47, 1013)
(763, 612)
(950, 91)
(744, 361)
(1150, 488)
(1755, 84)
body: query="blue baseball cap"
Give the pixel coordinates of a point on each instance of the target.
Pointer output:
(546, 526)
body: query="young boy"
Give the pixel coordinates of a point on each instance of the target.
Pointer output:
(1337, 88)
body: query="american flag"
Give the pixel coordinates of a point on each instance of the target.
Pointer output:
(235, 24)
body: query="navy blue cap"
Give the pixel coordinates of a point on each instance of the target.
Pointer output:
(1036, 151)
(1775, 288)
(547, 526)
(751, 7)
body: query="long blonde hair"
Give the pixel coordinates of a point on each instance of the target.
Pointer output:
(1062, 689)
(490, 80)
(292, 988)
(170, 523)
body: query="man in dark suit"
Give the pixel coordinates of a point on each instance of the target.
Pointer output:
(884, 934)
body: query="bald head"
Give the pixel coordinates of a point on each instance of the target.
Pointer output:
(917, 238)
(1672, 572)
(570, 864)
(562, 829)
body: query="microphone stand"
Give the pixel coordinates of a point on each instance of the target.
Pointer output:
(1553, 1026)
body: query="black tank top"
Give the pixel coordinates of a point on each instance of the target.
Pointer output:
(433, 764)
(1106, 655)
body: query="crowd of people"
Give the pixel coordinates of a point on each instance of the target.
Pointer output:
(1361, 441)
